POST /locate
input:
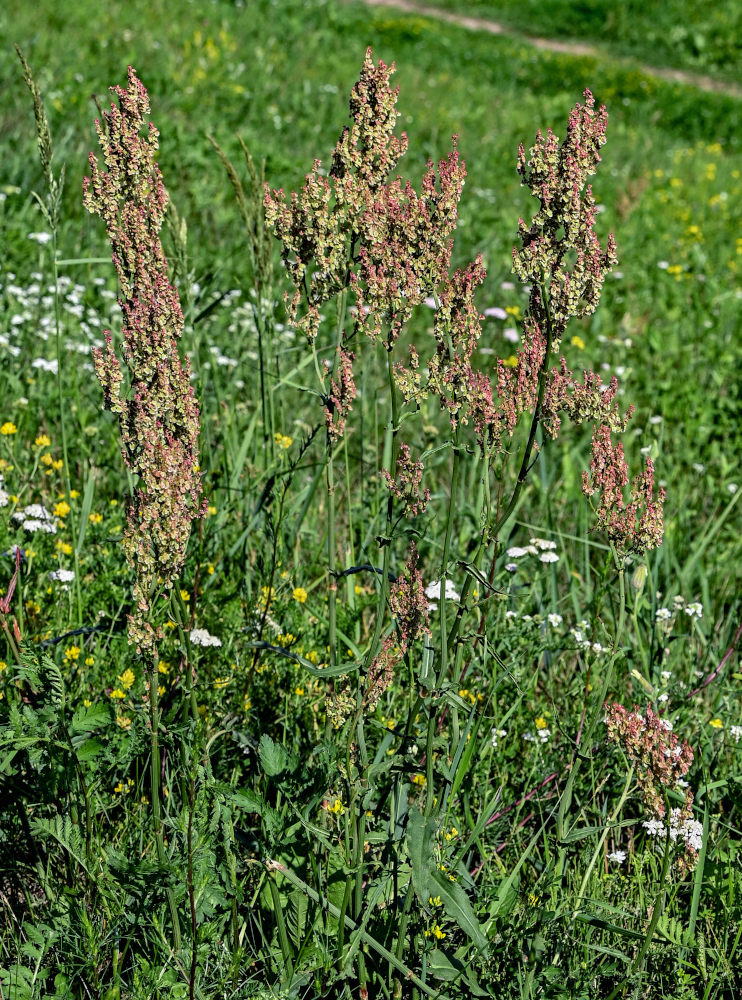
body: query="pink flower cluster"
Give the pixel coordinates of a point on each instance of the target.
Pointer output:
(661, 761)
(342, 393)
(355, 228)
(409, 605)
(635, 525)
(158, 413)
(407, 485)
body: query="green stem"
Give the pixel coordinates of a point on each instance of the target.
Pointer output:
(60, 397)
(154, 717)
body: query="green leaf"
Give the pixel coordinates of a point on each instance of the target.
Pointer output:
(88, 749)
(85, 720)
(457, 906)
(420, 846)
(273, 756)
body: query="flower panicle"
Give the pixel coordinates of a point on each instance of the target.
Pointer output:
(339, 403)
(562, 228)
(158, 415)
(635, 525)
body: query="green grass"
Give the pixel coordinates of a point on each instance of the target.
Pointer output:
(681, 35)
(85, 919)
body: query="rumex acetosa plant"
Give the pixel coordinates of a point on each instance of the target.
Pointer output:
(150, 392)
(359, 230)
(148, 388)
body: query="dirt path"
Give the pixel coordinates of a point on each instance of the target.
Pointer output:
(699, 80)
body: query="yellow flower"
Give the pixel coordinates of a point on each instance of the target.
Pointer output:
(87, 702)
(117, 693)
(337, 807)
(46, 459)
(540, 723)
(185, 596)
(72, 653)
(3, 666)
(299, 595)
(299, 691)
(716, 723)
(62, 509)
(438, 932)
(33, 608)
(74, 494)
(453, 832)
(113, 503)
(164, 667)
(513, 311)
(127, 679)
(8, 428)
(42, 441)
(64, 547)
(435, 900)
(511, 362)
(420, 779)
(89, 661)
(210, 569)
(221, 682)
(125, 722)
(58, 464)
(211, 510)
(283, 440)
(95, 518)
(577, 342)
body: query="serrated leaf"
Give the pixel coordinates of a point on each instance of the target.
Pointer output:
(273, 756)
(85, 720)
(89, 749)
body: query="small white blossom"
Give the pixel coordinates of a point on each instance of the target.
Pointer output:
(554, 620)
(549, 557)
(496, 312)
(40, 238)
(200, 637)
(617, 856)
(516, 552)
(498, 734)
(736, 733)
(694, 610)
(433, 593)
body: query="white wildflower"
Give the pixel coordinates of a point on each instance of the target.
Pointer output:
(617, 856)
(200, 637)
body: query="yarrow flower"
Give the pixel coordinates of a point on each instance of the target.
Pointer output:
(200, 637)
(433, 593)
(158, 413)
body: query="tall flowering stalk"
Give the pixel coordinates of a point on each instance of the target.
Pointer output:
(149, 388)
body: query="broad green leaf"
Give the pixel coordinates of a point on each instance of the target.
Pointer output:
(273, 756)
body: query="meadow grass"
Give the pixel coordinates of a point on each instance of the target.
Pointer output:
(250, 769)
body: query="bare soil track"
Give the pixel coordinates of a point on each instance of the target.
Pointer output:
(699, 80)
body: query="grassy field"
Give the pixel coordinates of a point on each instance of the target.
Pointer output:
(486, 840)
(689, 36)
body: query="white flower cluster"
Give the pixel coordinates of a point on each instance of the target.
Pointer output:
(693, 610)
(736, 733)
(690, 831)
(36, 517)
(63, 576)
(498, 734)
(583, 640)
(200, 637)
(617, 856)
(541, 547)
(433, 593)
(541, 734)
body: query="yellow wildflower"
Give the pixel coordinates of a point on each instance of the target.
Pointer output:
(72, 653)
(716, 723)
(117, 693)
(62, 509)
(8, 428)
(95, 518)
(283, 440)
(540, 723)
(127, 678)
(299, 595)
(42, 441)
